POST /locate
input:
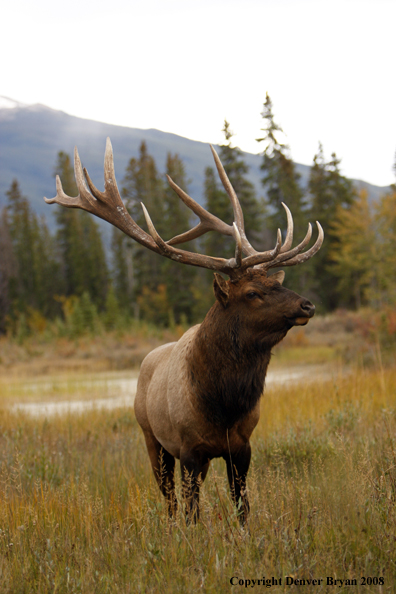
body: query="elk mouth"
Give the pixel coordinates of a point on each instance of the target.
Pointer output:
(300, 321)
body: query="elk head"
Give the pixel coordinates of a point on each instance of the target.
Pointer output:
(267, 308)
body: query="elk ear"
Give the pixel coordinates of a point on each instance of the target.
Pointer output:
(221, 289)
(278, 276)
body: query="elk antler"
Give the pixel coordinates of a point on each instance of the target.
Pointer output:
(109, 206)
(269, 259)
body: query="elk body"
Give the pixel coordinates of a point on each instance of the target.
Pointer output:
(199, 398)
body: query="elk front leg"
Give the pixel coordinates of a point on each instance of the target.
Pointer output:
(163, 464)
(237, 469)
(193, 471)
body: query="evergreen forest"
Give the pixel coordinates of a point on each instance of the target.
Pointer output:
(65, 280)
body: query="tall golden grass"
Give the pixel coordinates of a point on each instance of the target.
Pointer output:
(80, 511)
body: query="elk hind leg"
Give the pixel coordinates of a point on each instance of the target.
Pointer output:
(163, 464)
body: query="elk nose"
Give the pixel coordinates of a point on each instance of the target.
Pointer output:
(308, 308)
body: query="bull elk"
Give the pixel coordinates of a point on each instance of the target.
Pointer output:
(199, 398)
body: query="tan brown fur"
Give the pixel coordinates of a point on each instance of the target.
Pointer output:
(199, 398)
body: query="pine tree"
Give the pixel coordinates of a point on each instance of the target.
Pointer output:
(96, 270)
(112, 317)
(177, 219)
(21, 231)
(47, 270)
(213, 243)
(328, 189)
(329, 192)
(393, 186)
(122, 270)
(281, 182)
(70, 232)
(142, 183)
(177, 216)
(8, 269)
(236, 169)
(218, 203)
(280, 179)
(37, 272)
(80, 244)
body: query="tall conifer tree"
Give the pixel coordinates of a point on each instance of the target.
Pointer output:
(80, 243)
(217, 203)
(122, 270)
(142, 183)
(330, 193)
(236, 169)
(8, 268)
(177, 219)
(280, 180)
(37, 273)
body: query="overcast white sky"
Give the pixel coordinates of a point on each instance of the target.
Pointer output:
(184, 66)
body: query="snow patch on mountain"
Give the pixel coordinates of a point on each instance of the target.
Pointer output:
(8, 103)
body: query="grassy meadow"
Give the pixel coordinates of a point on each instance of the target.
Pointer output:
(80, 510)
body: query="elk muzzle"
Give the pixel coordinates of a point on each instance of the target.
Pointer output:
(305, 311)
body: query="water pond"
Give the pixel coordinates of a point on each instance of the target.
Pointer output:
(68, 395)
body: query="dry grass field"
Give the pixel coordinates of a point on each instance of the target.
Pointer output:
(80, 511)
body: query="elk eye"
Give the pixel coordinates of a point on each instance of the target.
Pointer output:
(252, 295)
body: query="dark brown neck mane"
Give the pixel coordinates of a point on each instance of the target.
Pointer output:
(228, 369)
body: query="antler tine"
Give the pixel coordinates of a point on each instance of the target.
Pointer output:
(109, 165)
(208, 222)
(229, 267)
(111, 193)
(289, 233)
(110, 182)
(273, 258)
(106, 205)
(238, 246)
(238, 213)
(80, 180)
(60, 195)
(153, 232)
(306, 255)
(293, 257)
(259, 257)
(83, 200)
(283, 257)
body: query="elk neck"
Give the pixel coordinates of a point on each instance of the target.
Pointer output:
(227, 367)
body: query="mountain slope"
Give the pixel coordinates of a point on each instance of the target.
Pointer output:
(31, 136)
